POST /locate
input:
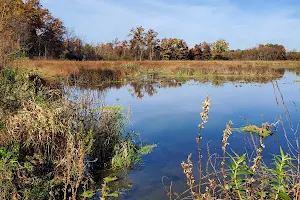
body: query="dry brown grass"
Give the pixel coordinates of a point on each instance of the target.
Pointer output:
(51, 137)
(63, 68)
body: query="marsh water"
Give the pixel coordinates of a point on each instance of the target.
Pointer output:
(168, 115)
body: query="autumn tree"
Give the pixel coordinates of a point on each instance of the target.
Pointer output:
(13, 28)
(89, 52)
(206, 51)
(74, 48)
(173, 49)
(261, 52)
(166, 49)
(181, 50)
(236, 54)
(197, 52)
(52, 38)
(276, 51)
(151, 42)
(117, 48)
(293, 55)
(191, 54)
(68, 42)
(46, 31)
(220, 49)
(106, 51)
(137, 42)
(125, 50)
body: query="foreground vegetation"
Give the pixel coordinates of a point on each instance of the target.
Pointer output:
(50, 146)
(246, 176)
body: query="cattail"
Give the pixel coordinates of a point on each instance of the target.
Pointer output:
(226, 134)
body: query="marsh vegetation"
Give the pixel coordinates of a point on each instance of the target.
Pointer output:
(70, 144)
(51, 146)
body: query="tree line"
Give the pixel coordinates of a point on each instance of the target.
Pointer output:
(145, 45)
(28, 29)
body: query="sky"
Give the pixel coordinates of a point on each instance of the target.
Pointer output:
(242, 23)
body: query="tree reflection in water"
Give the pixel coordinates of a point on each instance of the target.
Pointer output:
(150, 83)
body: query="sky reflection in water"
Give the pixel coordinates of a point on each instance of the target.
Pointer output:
(170, 118)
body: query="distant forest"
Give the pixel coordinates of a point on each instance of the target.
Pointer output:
(27, 29)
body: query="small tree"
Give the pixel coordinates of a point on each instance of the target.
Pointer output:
(151, 42)
(137, 42)
(197, 52)
(220, 49)
(206, 48)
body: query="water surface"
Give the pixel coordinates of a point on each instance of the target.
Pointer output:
(168, 115)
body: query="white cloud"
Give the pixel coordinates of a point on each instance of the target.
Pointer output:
(103, 20)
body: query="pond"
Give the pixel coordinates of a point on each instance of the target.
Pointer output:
(168, 115)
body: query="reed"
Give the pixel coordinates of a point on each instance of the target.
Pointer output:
(51, 69)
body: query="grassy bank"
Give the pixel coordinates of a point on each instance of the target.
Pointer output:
(51, 146)
(52, 69)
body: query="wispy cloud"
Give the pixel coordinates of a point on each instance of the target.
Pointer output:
(194, 21)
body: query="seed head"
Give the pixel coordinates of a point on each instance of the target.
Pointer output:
(226, 134)
(204, 114)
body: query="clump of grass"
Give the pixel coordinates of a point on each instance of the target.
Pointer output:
(47, 140)
(261, 131)
(105, 190)
(128, 152)
(264, 131)
(98, 77)
(46, 128)
(131, 67)
(184, 72)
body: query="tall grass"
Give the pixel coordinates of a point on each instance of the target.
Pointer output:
(123, 69)
(48, 141)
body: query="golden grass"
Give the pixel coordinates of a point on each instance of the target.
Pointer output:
(63, 68)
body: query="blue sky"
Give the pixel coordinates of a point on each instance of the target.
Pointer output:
(243, 23)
